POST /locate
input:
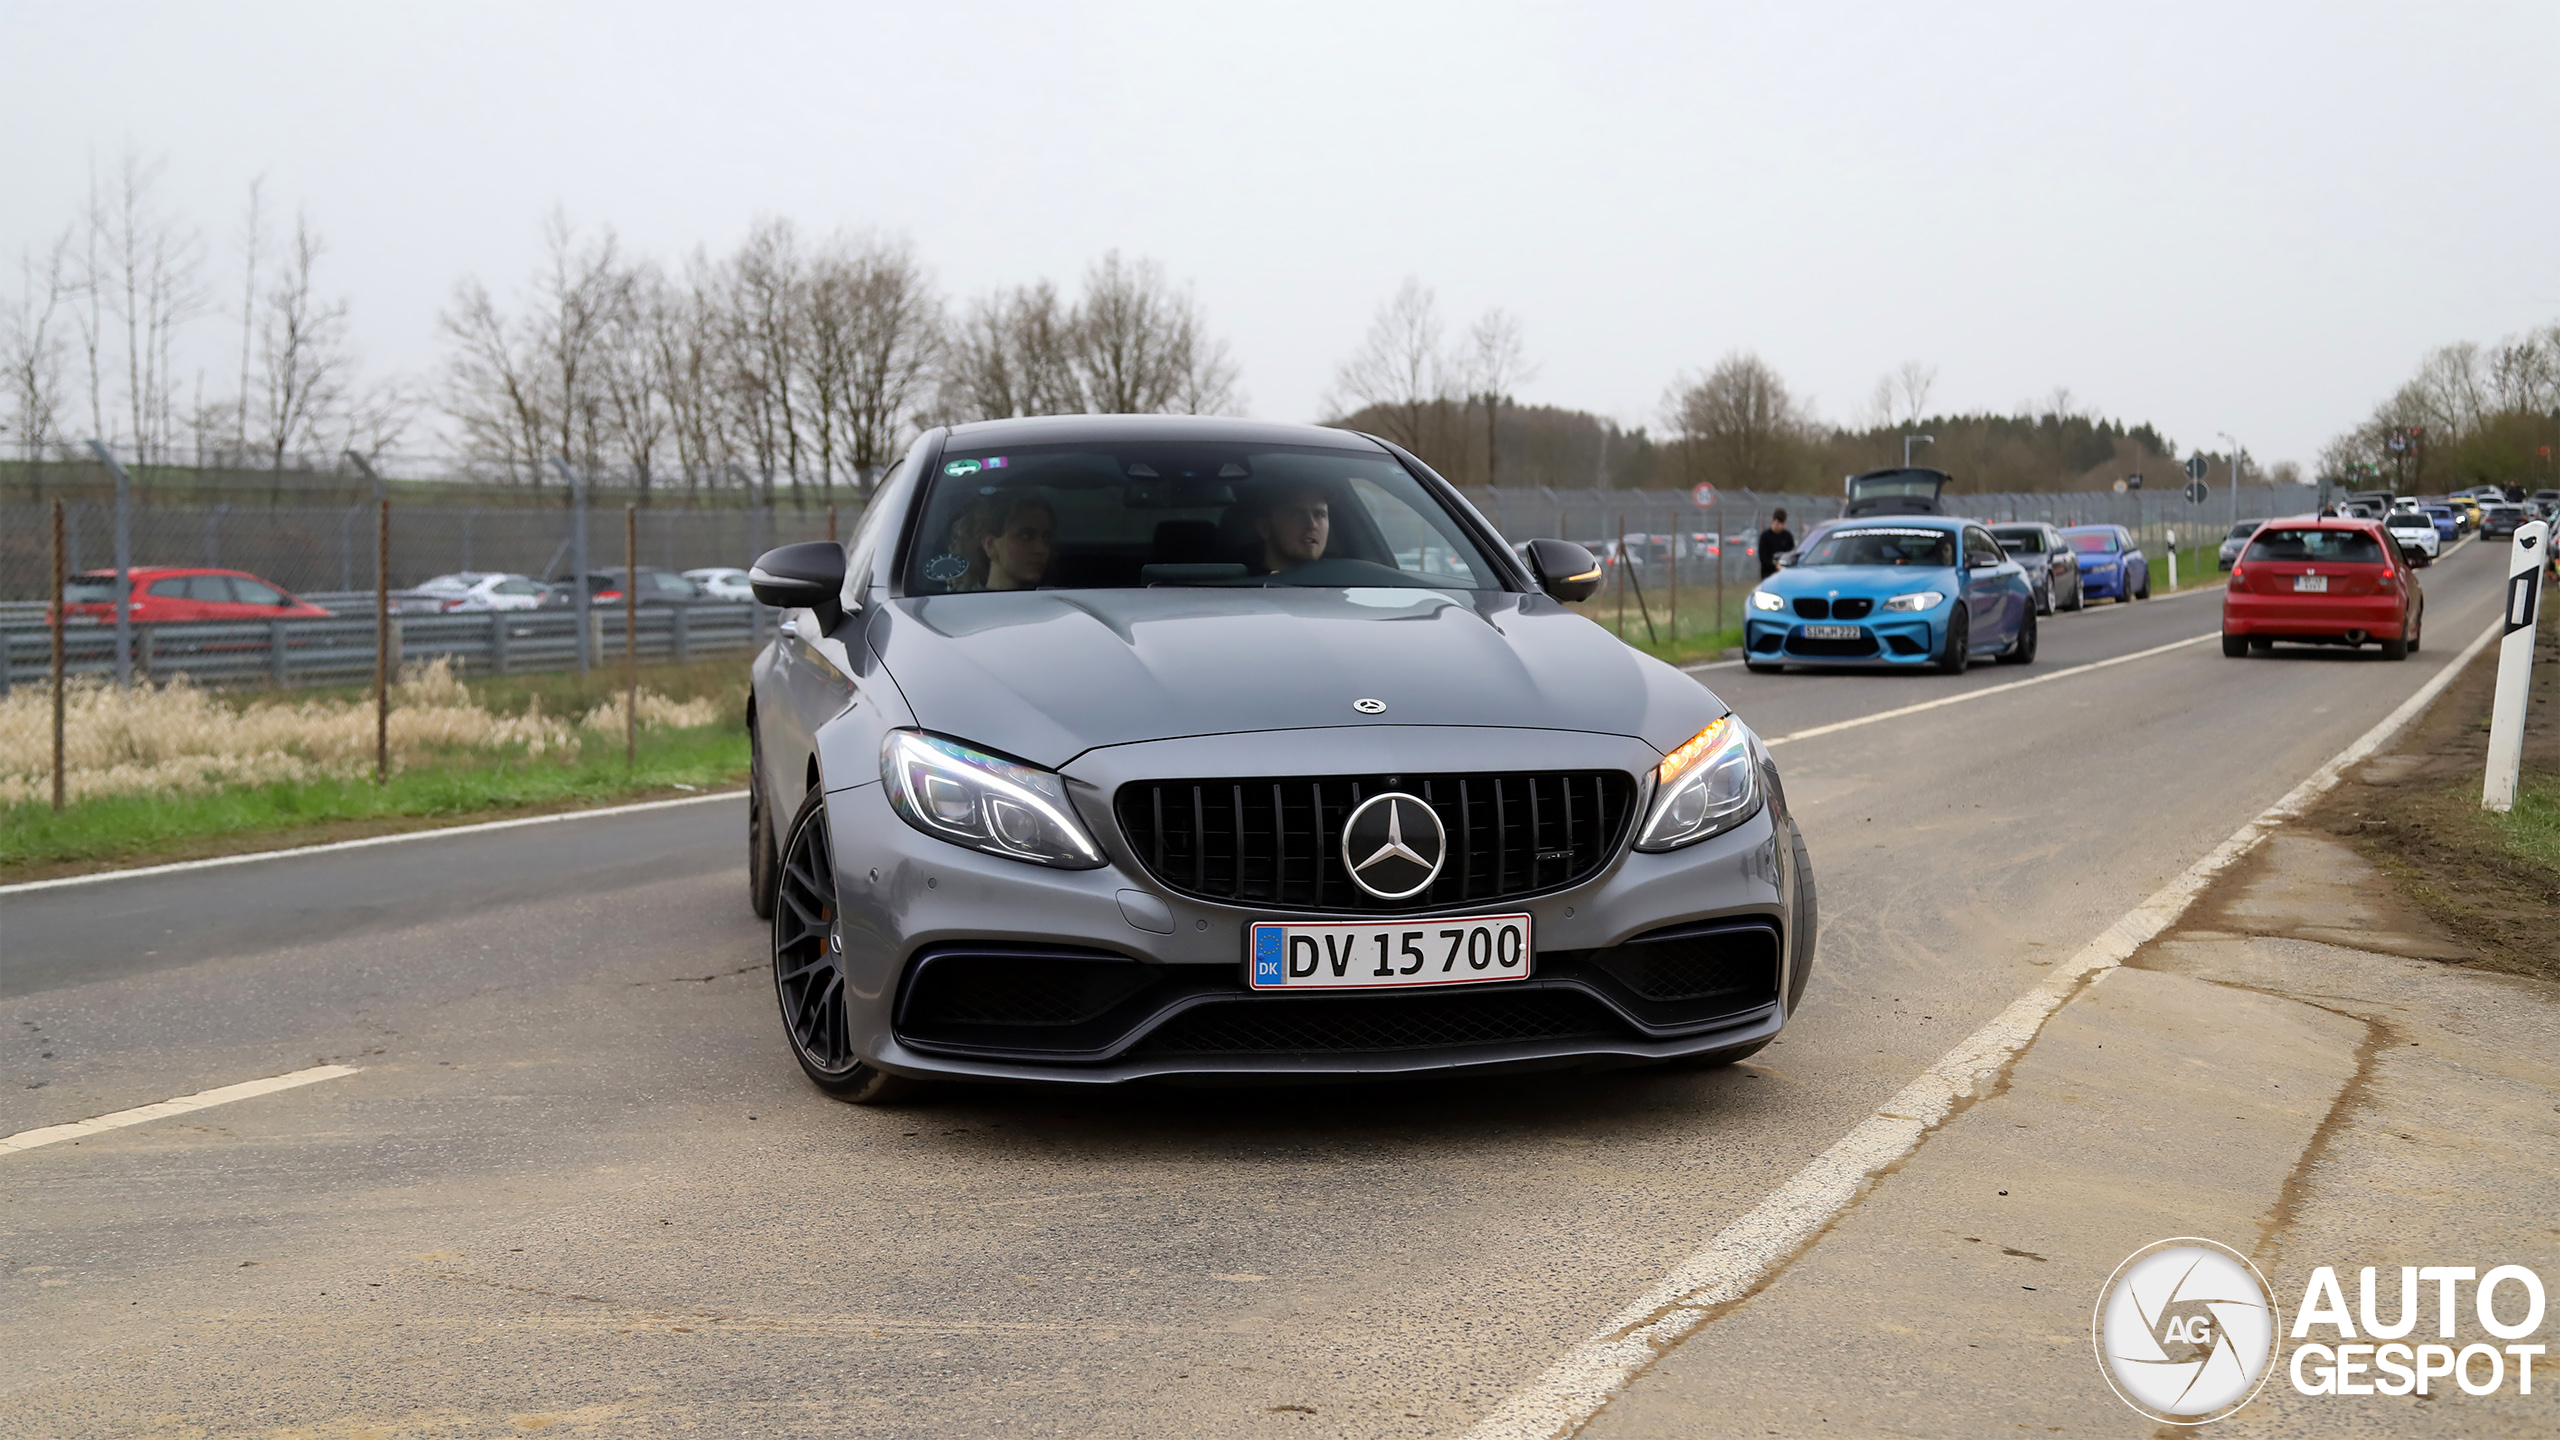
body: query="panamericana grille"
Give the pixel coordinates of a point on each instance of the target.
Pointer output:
(1279, 841)
(1354, 1023)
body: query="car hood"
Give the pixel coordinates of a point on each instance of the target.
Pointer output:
(1047, 675)
(1873, 580)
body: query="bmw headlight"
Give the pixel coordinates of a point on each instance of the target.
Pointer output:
(1917, 600)
(971, 798)
(1763, 600)
(1707, 786)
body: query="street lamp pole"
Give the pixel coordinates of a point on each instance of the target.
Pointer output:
(1909, 440)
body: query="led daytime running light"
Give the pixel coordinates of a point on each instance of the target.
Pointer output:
(1677, 763)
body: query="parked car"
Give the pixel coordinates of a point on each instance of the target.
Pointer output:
(2466, 513)
(479, 590)
(2232, 543)
(721, 582)
(2322, 582)
(2416, 534)
(2112, 564)
(164, 594)
(2448, 524)
(1909, 590)
(1457, 829)
(2052, 566)
(2499, 521)
(604, 587)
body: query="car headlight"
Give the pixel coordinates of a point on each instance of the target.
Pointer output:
(971, 798)
(1763, 600)
(1708, 786)
(1917, 600)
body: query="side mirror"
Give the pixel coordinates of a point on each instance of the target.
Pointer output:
(807, 576)
(1564, 569)
(1787, 559)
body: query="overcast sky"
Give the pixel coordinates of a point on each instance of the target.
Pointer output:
(2217, 217)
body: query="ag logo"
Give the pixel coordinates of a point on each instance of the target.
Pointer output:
(2185, 1331)
(1393, 846)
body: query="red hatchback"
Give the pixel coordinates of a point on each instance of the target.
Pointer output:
(2322, 582)
(167, 593)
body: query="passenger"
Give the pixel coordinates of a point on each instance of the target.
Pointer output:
(1295, 526)
(1005, 539)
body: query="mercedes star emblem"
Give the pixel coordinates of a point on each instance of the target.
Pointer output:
(1370, 707)
(1394, 846)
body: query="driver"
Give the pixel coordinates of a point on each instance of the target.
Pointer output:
(1295, 527)
(1006, 540)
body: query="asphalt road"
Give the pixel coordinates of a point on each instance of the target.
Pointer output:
(579, 1187)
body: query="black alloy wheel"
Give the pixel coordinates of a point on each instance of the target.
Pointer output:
(1956, 655)
(808, 969)
(2022, 651)
(764, 871)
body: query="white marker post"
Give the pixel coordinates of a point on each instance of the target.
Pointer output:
(2525, 561)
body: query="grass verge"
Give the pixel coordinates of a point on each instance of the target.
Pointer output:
(436, 783)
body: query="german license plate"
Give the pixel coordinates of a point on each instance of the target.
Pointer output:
(1832, 632)
(1287, 955)
(2311, 584)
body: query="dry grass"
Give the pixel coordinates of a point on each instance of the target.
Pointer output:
(180, 740)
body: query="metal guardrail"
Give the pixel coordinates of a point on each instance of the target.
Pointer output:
(340, 651)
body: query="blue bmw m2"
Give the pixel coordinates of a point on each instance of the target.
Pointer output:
(1913, 590)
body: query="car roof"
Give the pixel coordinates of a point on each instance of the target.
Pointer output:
(2108, 526)
(1124, 429)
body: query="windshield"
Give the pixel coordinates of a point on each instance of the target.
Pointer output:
(1083, 517)
(1934, 548)
(2244, 530)
(2339, 547)
(2096, 544)
(2020, 541)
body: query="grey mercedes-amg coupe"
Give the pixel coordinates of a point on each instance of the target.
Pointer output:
(1126, 748)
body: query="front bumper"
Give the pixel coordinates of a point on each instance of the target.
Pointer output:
(2103, 584)
(1884, 639)
(1168, 997)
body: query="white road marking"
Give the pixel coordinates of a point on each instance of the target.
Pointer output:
(1944, 700)
(145, 1114)
(219, 861)
(1749, 1252)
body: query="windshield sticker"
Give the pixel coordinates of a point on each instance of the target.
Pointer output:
(944, 568)
(961, 467)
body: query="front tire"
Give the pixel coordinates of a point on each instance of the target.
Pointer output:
(764, 870)
(1956, 655)
(2022, 651)
(809, 973)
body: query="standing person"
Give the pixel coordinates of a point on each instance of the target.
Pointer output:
(1775, 541)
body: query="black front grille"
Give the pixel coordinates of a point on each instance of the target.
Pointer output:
(1863, 645)
(1854, 608)
(1267, 1025)
(1279, 841)
(1812, 608)
(1736, 965)
(1020, 989)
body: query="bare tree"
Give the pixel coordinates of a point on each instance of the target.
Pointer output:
(1013, 353)
(1145, 349)
(1497, 360)
(492, 386)
(767, 301)
(302, 355)
(152, 283)
(1738, 425)
(633, 376)
(31, 347)
(1402, 372)
(896, 343)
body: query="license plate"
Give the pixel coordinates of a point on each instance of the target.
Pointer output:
(1832, 632)
(1287, 955)
(2311, 584)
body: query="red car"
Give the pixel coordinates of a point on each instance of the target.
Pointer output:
(2322, 582)
(164, 593)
